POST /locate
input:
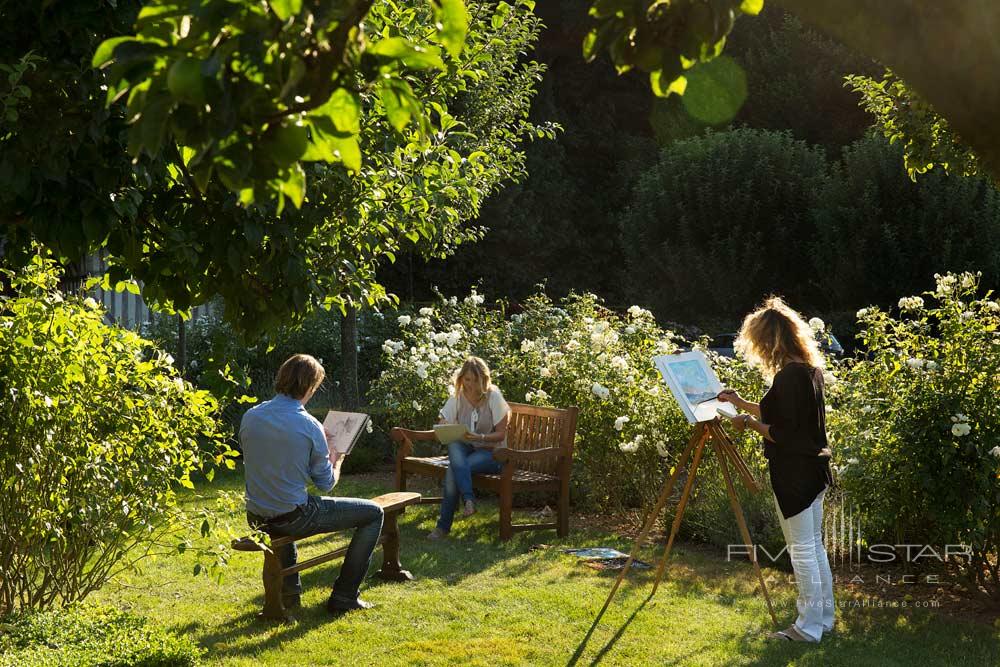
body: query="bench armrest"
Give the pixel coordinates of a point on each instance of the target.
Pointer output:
(404, 439)
(505, 454)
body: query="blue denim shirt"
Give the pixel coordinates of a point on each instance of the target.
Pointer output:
(284, 448)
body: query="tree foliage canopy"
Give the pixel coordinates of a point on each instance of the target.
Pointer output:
(678, 42)
(402, 118)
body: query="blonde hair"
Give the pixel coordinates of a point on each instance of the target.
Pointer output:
(774, 335)
(299, 375)
(477, 367)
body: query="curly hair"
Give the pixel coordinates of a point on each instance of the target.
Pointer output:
(774, 335)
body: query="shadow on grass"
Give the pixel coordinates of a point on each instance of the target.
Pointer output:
(868, 636)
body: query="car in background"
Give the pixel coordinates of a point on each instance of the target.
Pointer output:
(722, 344)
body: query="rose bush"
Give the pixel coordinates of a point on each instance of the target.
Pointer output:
(918, 424)
(575, 352)
(98, 433)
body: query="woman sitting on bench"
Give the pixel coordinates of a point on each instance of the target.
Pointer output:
(478, 405)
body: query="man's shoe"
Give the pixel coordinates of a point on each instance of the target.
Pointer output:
(291, 600)
(338, 607)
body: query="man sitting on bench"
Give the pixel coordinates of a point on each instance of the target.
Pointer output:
(284, 448)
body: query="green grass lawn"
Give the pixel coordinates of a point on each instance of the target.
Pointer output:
(476, 601)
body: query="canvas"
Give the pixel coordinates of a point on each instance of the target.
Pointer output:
(694, 385)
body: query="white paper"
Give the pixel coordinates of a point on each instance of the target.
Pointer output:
(692, 381)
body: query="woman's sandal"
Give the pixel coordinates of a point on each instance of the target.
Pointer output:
(790, 634)
(470, 508)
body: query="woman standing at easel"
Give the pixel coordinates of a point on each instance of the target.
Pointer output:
(791, 417)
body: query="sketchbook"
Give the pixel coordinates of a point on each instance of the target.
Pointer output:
(694, 386)
(345, 429)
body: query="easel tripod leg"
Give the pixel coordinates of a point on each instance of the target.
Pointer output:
(738, 511)
(668, 487)
(679, 514)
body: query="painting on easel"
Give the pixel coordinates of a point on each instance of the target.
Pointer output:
(694, 385)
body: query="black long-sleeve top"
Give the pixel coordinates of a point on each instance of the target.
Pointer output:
(799, 458)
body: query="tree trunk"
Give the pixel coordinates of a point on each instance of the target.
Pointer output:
(181, 360)
(947, 51)
(349, 359)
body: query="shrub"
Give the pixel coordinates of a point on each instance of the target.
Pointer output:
(575, 352)
(880, 234)
(918, 424)
(98, 430)
(723, 205)
(90, 637)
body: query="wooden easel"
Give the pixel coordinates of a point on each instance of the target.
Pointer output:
(727, 453)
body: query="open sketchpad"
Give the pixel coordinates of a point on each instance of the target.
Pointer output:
(605, 558)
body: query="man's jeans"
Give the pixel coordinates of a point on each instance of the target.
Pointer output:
(804, 537)
(327, 515)
(463, 461)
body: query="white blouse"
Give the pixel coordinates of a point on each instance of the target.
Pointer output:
(458, 410)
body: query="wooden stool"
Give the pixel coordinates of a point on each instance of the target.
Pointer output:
(392, 504)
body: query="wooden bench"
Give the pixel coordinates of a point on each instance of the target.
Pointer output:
(538, 457)
(393, 504)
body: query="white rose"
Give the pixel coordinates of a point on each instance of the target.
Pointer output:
(388, 347)
(619, 362)
(852, 461)
(911, 303)
(454, 338)
(662, 449)
(588, 320)
(440, 337)
(422, 321)
(545, 372)
(968, 281)
(817, 325)
(863, 313)
(527, 345)
(629, 447)
(433, 358)
(404, 320)
(915, 363)
(573, 345)
(426, 312)
(600, 391)
(996, 451)
(620, 423)
(992, 306)
(960, 429)
(529, 397)
(89, 302)
(630, 329)
(422, 371)
(416, 406)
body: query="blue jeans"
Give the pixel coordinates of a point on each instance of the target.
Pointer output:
(327, 515)
(463, 461)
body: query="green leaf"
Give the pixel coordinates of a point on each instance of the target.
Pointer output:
(752, 7)
(397, 97)
(285, 144)
(452, 21)
(294, 186)
(411, 55)
(334, 129)
(185, 81)
(105, 52)
(678, 85)
(715, 90)
(285, 9)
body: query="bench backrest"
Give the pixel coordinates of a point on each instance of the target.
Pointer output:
(532, 427)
